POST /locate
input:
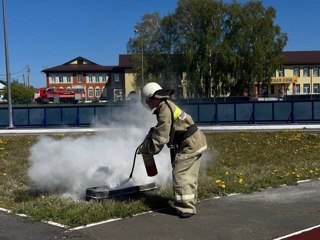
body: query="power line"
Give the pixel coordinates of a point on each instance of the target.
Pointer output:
(24, 69)
(22, 76)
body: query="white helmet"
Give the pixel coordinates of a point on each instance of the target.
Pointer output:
(147, 91)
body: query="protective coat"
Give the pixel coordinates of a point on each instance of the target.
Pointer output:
(187, 151)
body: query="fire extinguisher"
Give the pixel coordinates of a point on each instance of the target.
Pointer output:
(150, 165)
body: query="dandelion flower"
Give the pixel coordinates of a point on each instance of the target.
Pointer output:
(218, 181)
(241, 180)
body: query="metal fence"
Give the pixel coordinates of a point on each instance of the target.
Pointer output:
(202, 113)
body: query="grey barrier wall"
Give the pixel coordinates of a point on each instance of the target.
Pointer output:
(202, 113)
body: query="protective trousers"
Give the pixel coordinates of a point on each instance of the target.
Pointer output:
(185, 182)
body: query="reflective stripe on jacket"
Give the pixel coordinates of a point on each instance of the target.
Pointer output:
(160, 135)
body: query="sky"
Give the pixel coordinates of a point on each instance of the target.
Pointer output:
(47, 33)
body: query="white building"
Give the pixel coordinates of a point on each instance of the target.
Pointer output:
(2, 85)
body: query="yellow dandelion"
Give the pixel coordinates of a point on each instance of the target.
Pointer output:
(223, 186)
(241, 180)
(4, 174)
(218, 181)
(227, 173)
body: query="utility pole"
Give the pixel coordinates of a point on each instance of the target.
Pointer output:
(142, 77)
(28, 75)
(7, 64)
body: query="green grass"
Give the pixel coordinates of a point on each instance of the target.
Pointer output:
(240, 162)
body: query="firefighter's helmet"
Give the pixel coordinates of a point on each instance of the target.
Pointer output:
(153, 89)
(148, 91)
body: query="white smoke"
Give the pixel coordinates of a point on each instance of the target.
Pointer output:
(72, 164)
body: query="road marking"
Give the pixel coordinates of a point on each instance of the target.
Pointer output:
(46, 222)
(106, 221)
(297, 233)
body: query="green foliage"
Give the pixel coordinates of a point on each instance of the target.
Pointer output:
(225, 46)
(20, 94)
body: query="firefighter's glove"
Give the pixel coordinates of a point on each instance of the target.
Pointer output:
(140, 149)
(147, 146)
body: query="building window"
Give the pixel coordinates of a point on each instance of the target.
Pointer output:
(90, 92)
(104, 78)
(98, 92)
(60, 79)
(53, 78)
(316, 71)
(117, 95)
(68, 79)
(298, 88)
(316, 88)
(116, 77)
(296, 71)
(281, 73)
(306, 72)
(90, 79)
(79, 78)
(97, 78)
(306, 88)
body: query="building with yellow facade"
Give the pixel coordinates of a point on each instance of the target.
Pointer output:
(299, 75)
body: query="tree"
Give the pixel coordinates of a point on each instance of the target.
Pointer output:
(20, 93)
(225, 46)
(254, 44)
(143, 48)
(151, 53)
(199, 25)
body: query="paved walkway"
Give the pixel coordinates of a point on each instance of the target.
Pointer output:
(215, 128)
(269, 214)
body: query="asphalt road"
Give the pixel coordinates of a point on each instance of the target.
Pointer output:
(261, 215)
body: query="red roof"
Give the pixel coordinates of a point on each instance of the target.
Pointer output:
(82, 65)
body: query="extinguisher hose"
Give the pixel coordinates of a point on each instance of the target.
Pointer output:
(134, 161)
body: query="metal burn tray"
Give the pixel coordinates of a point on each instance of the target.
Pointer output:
(103, 192)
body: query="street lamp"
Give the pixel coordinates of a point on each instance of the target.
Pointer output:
(7, 65)
(142, 77)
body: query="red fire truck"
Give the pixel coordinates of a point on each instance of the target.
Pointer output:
(50, 95)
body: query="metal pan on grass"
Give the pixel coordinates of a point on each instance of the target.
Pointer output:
(104, 192)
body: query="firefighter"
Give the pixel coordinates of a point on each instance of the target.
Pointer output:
(177, 130)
